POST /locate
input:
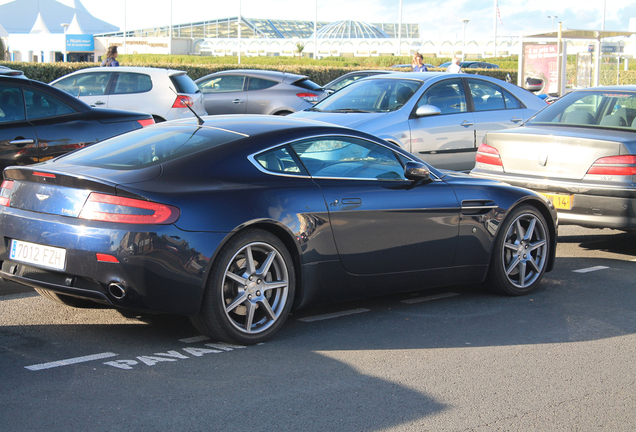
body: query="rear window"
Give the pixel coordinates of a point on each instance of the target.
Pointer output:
(184, 84)
(149, 146)
(307, 84)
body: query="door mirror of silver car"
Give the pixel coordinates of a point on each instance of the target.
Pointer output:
(417, 171)
(427, 110)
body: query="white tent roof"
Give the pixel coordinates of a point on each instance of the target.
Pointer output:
(75, 27)
(3, 32)
(39, 27)
(18, 16)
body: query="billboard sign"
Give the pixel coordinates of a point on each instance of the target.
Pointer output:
(79, 43)
(540, 62)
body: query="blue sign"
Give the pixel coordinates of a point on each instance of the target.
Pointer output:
(80, 43)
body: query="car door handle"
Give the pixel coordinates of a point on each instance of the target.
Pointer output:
(100, 103)
(349, 201)
(516, 120)
(21, 141)
(466, 123)
(237, 101)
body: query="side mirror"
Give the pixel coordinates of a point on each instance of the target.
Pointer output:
(417, 171)
(427, 110)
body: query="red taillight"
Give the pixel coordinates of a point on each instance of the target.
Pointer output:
(5, 193)
(43, 174)
(614, 165)
(111, 208)
(488, 155)
(106, 258)
(309, 97)
(147, 122)
(182, 102)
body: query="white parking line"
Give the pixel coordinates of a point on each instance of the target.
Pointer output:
(333, 315)
(429, 298)
(70, 361)
(194, 339)
(590, 269)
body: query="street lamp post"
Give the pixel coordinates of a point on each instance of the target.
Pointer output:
(465, 21)
(553, 17)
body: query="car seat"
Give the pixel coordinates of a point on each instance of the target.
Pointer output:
(613, 120)
(579, 117)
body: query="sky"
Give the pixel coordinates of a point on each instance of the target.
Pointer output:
(437, 18)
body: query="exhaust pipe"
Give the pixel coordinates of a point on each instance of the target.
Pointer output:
(117, 290)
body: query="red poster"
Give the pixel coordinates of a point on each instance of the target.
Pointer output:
(540, 61)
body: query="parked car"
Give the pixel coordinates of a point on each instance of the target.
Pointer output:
(348, 78)
(5, 71)
(170, 220)
(472, 65)
(440, 116)
(258, 92)
(580, 152)
(401, 66)
(39, 122)
(163, 93)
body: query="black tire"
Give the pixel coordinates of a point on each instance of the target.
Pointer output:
(521, 252)
(68, 300)
(248, 304)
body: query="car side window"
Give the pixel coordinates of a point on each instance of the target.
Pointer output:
(88, 84)
(132, 83)
(486, 96)
(11, 104)
(260, 84)
(348, 158)
(225, 83)
(279, 160)
(511, 101)
(40, 105)
(447, 95)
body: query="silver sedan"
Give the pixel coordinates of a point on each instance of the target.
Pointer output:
(258, 92)
(438, 116)
(580, 152)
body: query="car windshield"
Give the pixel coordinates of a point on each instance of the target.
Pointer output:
(149, 146)
(594, 109)
(375, 95)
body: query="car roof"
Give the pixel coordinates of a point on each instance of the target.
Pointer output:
(274, 75)
(138, 69)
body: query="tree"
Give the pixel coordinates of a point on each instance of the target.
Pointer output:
(299, 48)
(1, 49)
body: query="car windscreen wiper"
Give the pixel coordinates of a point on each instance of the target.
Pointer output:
(349, 110)
(313, 109)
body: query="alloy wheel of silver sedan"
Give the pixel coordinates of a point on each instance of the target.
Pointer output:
(521, 254)
(250, 291)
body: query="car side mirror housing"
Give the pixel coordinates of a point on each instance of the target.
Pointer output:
(427, 110)
(417, 171)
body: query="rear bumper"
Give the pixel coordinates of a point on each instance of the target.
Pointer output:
(593, 205)
(162, 268)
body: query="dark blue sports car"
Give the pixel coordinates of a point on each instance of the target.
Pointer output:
(238, 220)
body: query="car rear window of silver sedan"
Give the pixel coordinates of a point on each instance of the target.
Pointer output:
(592, 109)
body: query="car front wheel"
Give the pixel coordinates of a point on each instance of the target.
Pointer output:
(521, 253)
(250, 291)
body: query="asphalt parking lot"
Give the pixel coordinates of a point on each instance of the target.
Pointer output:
(454, 359)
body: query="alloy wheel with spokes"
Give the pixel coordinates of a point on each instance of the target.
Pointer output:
(250, 290)
(521, 253)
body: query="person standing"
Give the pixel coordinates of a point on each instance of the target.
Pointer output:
(111, 56)
(454, 66)
(419, 64)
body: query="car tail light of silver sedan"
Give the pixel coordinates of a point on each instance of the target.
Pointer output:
(309, 97)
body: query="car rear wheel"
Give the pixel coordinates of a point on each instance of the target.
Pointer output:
(521, 253)
(68, 300)
(250, 291)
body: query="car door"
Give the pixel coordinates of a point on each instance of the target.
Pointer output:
(495, 108)
(90, 87)
(447, 140)
(60, 128)
(381, 222)
(132, 91)
(224, 94)
(18, 139)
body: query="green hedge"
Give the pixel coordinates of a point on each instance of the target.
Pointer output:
(47, 72)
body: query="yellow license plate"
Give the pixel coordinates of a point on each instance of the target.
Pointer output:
(560, 201)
